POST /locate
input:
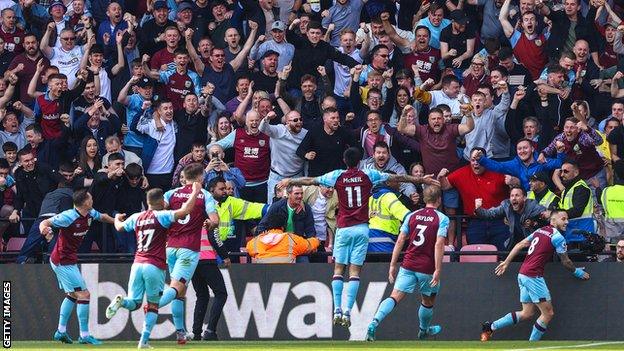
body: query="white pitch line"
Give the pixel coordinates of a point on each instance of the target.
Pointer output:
(569, 346)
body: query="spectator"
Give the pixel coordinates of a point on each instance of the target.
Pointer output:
(152, 32)
(323, 202)
(28, 60)
(178, 79)
(134, 109)
(218, 168)
(382, 161)
(525, 164)
(9, 149)
(539, 191)
(160, 127)
(67, 56)
(98, 123)
(113, 145)
(198, 155)
(457, 42)
(95, 61)
(344, 14)
(285, 50)
(518, 73)
(13, 130)
(33, 180)
(475, 182)
(234, 47)
(109, 29)
(274, 245)
(521, 213)
(619, 252)
(221, 129)
(192, 124)
(324, 145)
(89, 162)
(284, 141)
(435, 22)
(576, 199)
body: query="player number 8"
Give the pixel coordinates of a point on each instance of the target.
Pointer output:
(533, 243)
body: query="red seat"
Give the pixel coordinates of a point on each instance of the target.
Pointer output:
(15, 244)
(478, 258)
(448, 248)
(243, 259)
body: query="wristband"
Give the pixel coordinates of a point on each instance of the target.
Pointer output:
(578, 273)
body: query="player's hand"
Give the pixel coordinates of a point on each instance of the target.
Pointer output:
(120, 217)
(500, 269)
(227, 263)
(435, 279)
(392, 273)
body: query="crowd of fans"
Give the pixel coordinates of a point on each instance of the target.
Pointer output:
(513, 105)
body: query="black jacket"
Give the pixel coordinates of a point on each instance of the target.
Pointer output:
(192, 128)
(130, 200)
(33, 186)
(561, 26)
(104, 192)
(302, 221)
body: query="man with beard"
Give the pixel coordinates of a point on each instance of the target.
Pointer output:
(285, 139)
(266, 78)
(525, 164)
(577, 200)
(381, 160)
(278, 44)
(425, 57)
(324, 144)
(152, 32)
(28, 60)
(473, 182)
(521, 214)
(619, 253)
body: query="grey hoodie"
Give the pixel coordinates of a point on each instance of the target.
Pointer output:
(369, 163)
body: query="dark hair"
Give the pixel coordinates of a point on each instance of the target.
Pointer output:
(374, 91)
(161, 102)
(381, 144)
(212, 183)
(193, 171)
(4, 163)
(67, 167)
(555, 68)
(517, 187)
(180, 51)
(56, 76)
(23, 152)
(419, 27)
(571, 162)
(486, 86)
(436, 110)
(134, 170)
(377, 48)
(478, 148)
(83, 158)
(80, 196)
(35, 128)
(9, 146)
(115, 156)
(612, 119)
(315, 25)
(523, 140)
(448, 79)
(198, 144)
(242, 76)
(503, 71)
(308, 77)
(352, 156)
(491, 45)
(398, 108)
(154, 195)
(329, 110)
(504, 53)
(373, 112)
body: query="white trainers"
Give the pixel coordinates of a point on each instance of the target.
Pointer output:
(144, 346)
(111, 310)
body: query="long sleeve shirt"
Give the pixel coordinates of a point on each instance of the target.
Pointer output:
(284, 144)
(485, 130)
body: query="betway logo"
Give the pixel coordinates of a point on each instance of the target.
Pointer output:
(241, 307)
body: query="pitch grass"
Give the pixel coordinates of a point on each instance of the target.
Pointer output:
(333, 345)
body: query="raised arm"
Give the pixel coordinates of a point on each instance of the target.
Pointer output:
(34, 81)
(503, 17)
(197, 61)
(392, 33)
(242, 55)
(121, 60)
(500, 269)
(123, 94)
(45, 40)
(402, 125)
(189, 204)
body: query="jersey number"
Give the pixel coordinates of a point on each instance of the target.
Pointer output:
(355, 191)
(533, 244)
(420, 237)
(145, 235)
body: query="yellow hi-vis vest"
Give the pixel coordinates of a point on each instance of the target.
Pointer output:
(546, 200)
(386, 213)
(585, 221)
(613, 203)
(235, 208)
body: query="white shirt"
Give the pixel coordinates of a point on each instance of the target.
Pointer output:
(105, 85)
(162, 163)
(68, 62)
(341, 81)
(320, 222)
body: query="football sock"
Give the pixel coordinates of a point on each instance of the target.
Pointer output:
(177, 310)
(424, 316)
(539, 328)
(385, 307)
(507, 320)
(129, 304)
(150, 321)
(337, 285)
(168, 295)
(66, 309)
(352, 290)
(82, 310)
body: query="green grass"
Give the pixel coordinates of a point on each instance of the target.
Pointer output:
(334, 345)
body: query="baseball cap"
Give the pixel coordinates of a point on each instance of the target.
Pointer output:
(56, 3)
(459, 16)
(541, 176)
(145, 82)
(269, 53)
(185, 6)
(279, 25)
(160, 4)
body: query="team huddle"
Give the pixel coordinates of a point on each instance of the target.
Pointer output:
(170, 239)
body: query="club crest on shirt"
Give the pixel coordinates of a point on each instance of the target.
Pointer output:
(261, 143)
(187, 84)
(538, 42)
(16, 40)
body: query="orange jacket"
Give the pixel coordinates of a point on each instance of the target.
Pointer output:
(275, 246)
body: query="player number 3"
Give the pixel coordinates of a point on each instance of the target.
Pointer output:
(420, 237)
(533, 243)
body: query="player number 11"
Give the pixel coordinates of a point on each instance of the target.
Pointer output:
(357, 191)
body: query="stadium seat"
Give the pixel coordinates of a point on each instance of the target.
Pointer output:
(15, 244)
(243, 258)
(448, 248)
(478, 258)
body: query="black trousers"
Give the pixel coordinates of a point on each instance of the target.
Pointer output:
(162, 181)
(207, 274)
